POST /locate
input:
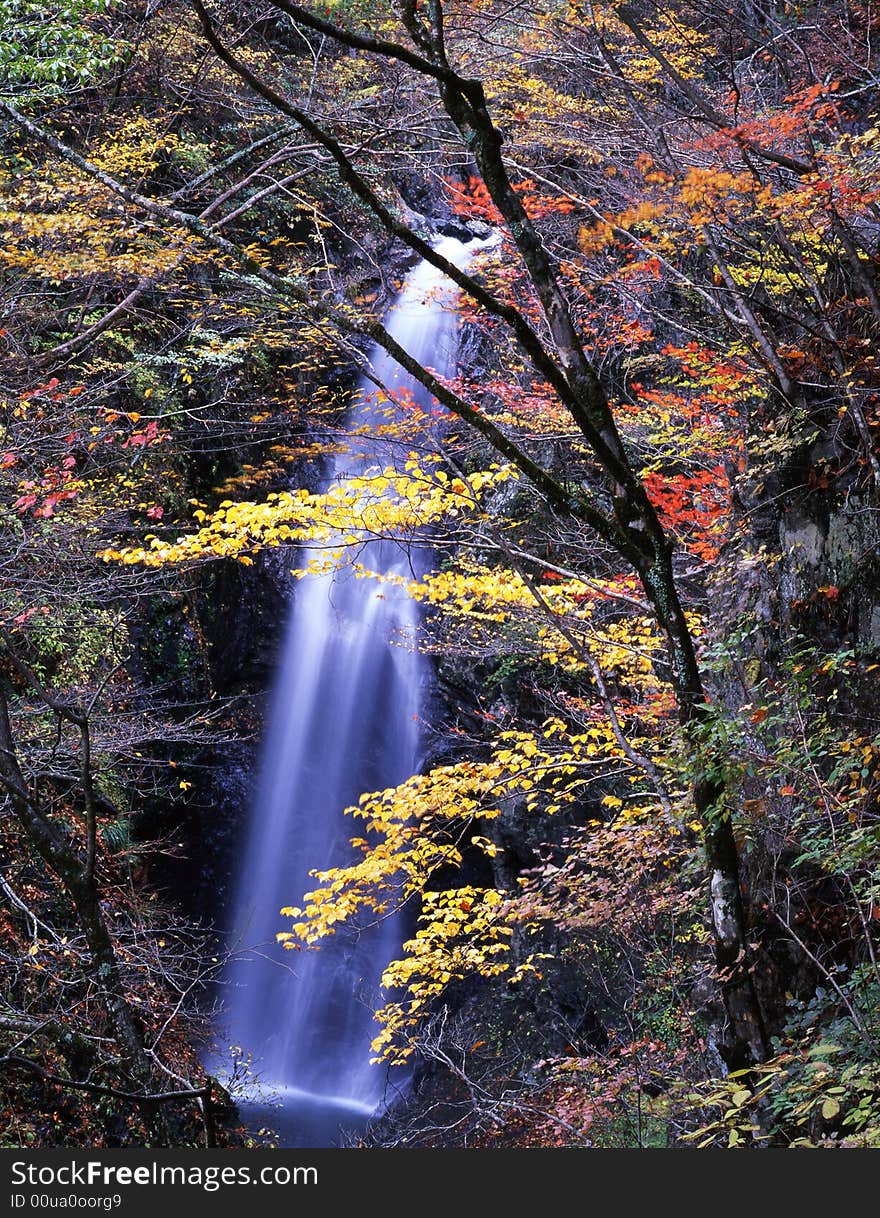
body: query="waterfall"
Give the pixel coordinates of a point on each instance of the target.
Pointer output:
(343, 719)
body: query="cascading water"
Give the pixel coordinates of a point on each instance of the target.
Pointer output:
(343, 720)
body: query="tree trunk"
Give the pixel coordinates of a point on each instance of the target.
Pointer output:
(748, 1042)
(60, 856)
(650, 551)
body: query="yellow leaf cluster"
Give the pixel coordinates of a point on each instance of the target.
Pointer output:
(377, 504)
(463, 932)
(426, 823)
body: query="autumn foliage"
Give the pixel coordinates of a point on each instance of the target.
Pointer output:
(190, 276)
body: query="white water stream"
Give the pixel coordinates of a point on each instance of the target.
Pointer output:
(343, 719)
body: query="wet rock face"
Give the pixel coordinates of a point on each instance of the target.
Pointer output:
(838, 554)
(805, 563)
(242, 612)
(429, 210)
(464, 230)
(426, 196)
(211, 832)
